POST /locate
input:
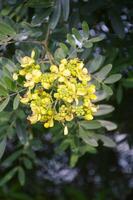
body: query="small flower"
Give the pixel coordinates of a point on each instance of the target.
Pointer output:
(65, 130)
(15, 76)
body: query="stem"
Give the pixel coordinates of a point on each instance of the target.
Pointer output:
(13, 94)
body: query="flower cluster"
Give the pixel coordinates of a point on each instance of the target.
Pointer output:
(63, 93)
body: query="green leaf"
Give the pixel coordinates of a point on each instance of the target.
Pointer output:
(6, 29)
(71, 40)
(21, 175)
(73, 159)
(101, 95)
(56, 15)
(97, 39)
(8, 176)
(107, 90)
(128, 82)
(85, 28)
(3, 91)
(101, 75)
(110, 126)
(104, 109)
(4, 103)
(65, 9)
(6, 63)
(2, 147)
(116, 22)
(21, 133)
(16, 102)
(64, 48)
(88, 137)
(88, 44)
(59, 54)
(27, 163)
(90, 124)
(113, 78)
(95, 64)
(108, 142)
(119, 94)
(9, 160)
(76, 34)
(87, 148)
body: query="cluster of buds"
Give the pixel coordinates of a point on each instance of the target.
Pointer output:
(61, 94)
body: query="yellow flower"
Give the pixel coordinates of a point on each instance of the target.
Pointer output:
(15, 76)
(27, 61)
(60, 95)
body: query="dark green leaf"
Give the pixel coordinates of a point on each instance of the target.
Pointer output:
(119, 94)
(21, 133)
(116, 22)
(56, 15)
(128, 82)
(2, 147)
(8, 176)
(65, 9)
(40, 3)
(27, 163)
(9, 160)
(108, 142)
(21, 175)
